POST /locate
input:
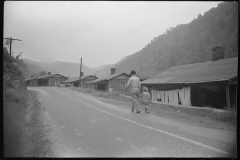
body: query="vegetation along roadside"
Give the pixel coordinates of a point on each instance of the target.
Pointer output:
(24, 133)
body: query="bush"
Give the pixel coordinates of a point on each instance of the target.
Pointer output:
(13, 95)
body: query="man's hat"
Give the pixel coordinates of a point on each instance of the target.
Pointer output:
(132, 72)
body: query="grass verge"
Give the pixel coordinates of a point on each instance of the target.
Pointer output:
(38, 133)
(24, 133)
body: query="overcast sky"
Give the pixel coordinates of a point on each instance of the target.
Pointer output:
(101, 32)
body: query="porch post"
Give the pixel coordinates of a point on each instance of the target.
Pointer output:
(227, 96)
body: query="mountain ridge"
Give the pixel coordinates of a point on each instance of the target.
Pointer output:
(67, 69)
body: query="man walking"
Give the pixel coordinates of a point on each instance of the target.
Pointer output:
(134, 82)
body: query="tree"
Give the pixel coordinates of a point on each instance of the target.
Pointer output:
(218, 53)
(42, 73)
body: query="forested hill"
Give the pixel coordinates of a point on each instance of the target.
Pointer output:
(188, 43)
(65, 68)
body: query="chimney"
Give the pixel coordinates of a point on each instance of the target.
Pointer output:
(218, 53)
(112, 71)
(49, 73)
(31, 76)
(81, 73)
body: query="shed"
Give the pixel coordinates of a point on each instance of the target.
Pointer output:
(211, 83)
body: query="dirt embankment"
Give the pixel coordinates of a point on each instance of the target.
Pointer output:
(26, 135)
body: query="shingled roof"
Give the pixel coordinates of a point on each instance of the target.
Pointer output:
(221, 70)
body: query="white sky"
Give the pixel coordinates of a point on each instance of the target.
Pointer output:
(101, 32)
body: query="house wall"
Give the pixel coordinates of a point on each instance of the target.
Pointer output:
(115, 83)
(33, 82)
(42, 82)
(60, 79)
(88, 79)
(202, 94)
(102, 86)
(93, 86)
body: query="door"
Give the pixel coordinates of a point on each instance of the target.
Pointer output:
(56, 82)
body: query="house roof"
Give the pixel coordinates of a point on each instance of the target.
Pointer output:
(77, 78)
(47, 76)
(107, 78)
(43, 76)
(221, 70)
(30, 78)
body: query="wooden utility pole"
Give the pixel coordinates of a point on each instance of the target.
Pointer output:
(79, 85)
(11, 44)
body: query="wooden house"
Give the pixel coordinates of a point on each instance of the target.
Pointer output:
(46, 80)
(31, 81)
(115, 81)
(211, 83)
(84, 79)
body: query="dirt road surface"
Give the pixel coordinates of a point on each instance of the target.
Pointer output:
(83, 126)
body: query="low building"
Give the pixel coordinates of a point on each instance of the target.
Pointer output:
(46, 80)
(211, 83)
(115, 81)
(31, 81)
(84, 79)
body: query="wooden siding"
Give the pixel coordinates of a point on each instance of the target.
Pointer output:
(33, 82)
(60, 79)
(88, 79)
(115, 84)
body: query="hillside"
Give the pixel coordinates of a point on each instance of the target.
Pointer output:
(100, 67)
(65, 68)
(104, 71)
(188, 43)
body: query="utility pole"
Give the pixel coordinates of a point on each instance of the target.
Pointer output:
(11, 44)
(79, 85)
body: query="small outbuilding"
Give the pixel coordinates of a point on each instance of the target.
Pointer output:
(115, 81)
(211, 83)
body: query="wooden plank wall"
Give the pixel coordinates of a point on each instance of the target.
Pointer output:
(115, 83)
(88, 79)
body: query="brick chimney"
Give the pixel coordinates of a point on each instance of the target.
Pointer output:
(113, 71)
(81, 73)
(218, 53)
(49, 73)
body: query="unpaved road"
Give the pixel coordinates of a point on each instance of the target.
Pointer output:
(83, 126)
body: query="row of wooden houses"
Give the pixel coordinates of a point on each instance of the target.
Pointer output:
(46, 80)
(211, 83)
